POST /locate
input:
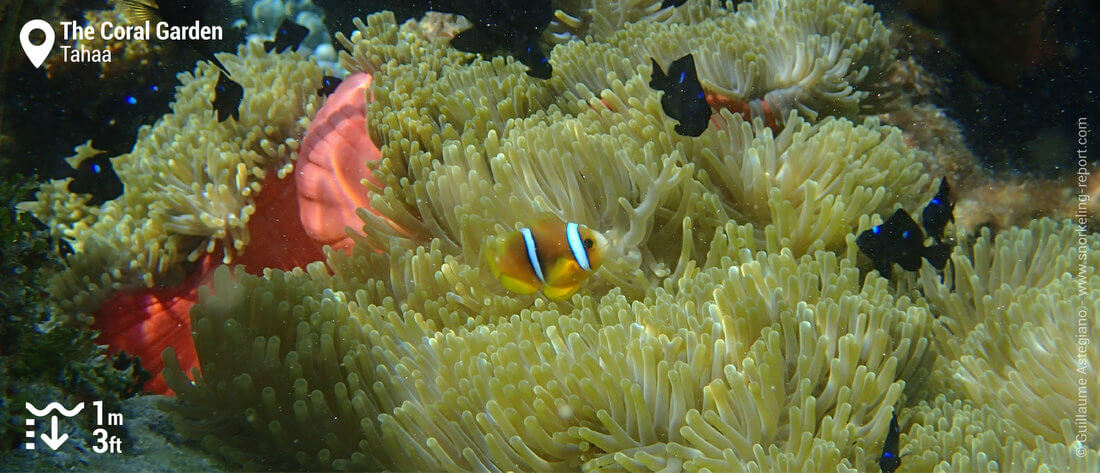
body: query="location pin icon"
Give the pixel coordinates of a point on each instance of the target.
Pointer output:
(36, 52)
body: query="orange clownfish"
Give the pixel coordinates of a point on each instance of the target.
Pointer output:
(551, 255)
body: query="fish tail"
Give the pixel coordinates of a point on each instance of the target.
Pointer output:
(937, 255)
(658, 77)
(219, 64)
(209, 56)
(884, 267)
(143, 10)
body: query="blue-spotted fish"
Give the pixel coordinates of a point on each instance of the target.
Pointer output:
(900, 240)
(550, 255)
(683, 98)
(890, 461)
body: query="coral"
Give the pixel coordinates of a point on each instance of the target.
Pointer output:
(441, 25)
(264, 16)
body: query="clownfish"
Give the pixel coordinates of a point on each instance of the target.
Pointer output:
(551, 255)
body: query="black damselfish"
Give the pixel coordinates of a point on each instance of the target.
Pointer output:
(97, 177)
(288, 36)
(938, 212)
(890, 461)
(529, 53)
(900, 240)
(328, 85)
(227, 98)
(683, 98)
(498, 24)
(672, 3)
(182, 13)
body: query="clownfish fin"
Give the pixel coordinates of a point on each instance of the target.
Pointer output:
(560, 292)
(565, 272)
(516, 285)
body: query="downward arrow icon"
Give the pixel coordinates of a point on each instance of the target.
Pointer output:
(53, 440)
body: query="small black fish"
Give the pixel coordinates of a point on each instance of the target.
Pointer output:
(474, 40)
(514, 25)
(182, 13)
(683, 98)
(900, 240)
(938, 212)
(672, 3)
(227, 98)
(329, 85)
(537, 63)
(890, 461)
(97, 177)
(289, 35)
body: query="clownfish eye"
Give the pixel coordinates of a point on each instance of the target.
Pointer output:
(588, 243)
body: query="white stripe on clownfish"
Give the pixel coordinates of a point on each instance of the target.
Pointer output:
(580, 253)
(532, 256)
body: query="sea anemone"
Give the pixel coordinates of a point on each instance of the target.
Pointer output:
(196, 190)
(819, 58)
(413, 357)
(1016, 314)
(594, 381)
(733, 325)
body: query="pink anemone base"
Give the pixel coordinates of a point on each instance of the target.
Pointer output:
(295, 218)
